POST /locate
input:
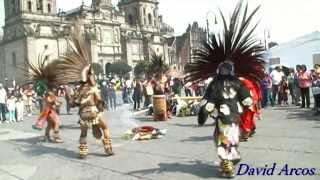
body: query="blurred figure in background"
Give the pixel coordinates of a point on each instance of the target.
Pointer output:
(148, 92)
(297, 91)
(304, 78)
(11, 105)
(316, 88)
(112, 96)
(29, 99)
(284, 91)
(266, 87)
(291, 86)
(68, 94)
(3, 99)
(104, 94)
(137, 95)
(19, 108)
(276, 76)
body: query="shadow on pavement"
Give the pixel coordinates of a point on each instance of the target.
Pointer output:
(197, 139)
(193, 125)
(144, 119)
(196, 168)
(70, 126)
(34, 147)
(301, 114)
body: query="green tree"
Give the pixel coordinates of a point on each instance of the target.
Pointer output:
(157, 66)
(141, 68)
(120, 68)
(97, 68)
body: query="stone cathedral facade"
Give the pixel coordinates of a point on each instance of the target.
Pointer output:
(33, 28)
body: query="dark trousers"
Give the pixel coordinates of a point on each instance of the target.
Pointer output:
(292, 93)
(317, 102)
(305, 96)
(147, 101)
(68, 108)
(40, 102)
(113, 102)
(3, 111)
(266, 96)
(275, 93)
(187, 92)
(136, 105)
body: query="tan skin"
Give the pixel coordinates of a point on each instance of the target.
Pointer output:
(94, 100)
(53, 124)
(102, 124)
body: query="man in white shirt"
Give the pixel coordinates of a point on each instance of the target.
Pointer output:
(276, 76)
(3, 99)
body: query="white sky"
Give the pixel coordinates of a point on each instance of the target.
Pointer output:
(285, 19)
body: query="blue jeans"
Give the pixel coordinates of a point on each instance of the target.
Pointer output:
(266, 97)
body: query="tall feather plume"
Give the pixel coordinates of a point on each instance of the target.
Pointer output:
(43, 71)
(72, 63)
(236, 44)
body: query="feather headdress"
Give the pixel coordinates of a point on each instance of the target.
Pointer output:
(236, 44)
(43, 73)
(74, 65)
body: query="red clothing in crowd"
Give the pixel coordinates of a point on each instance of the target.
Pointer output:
(247, 121)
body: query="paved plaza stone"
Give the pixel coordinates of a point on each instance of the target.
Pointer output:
(285, 135)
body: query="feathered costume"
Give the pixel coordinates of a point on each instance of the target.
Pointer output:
(226, 57)
(44, 76)
(74, 66)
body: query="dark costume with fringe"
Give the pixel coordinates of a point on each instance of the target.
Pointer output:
(226, 57)
(74, 66)
(44, 76)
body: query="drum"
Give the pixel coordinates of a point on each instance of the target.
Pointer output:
(160, 108)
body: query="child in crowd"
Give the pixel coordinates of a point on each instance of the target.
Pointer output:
(19, 108)
(11, 105)
(284, 91)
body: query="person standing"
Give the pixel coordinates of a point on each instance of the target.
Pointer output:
(177, 86)
(19, 108)
(29, 101)
(148, 92)
(11, 105)
(305, 81)
(104, 94)
(137, 95)
(291, 86)
(3, 99)
(276, 76)
(316, 88)
(112, 96)
(68, 94)
(296, 86)
(266, 87)
(128, 85)
(284, 89)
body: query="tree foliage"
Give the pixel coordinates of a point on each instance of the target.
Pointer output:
(157, 66)
(141, 68)
(97, 68)
(120, 68)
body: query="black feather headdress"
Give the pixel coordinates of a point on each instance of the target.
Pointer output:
(236, 44)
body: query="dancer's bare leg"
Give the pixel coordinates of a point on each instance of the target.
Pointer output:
(83, 148)
(106, 137)
(55, 126)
